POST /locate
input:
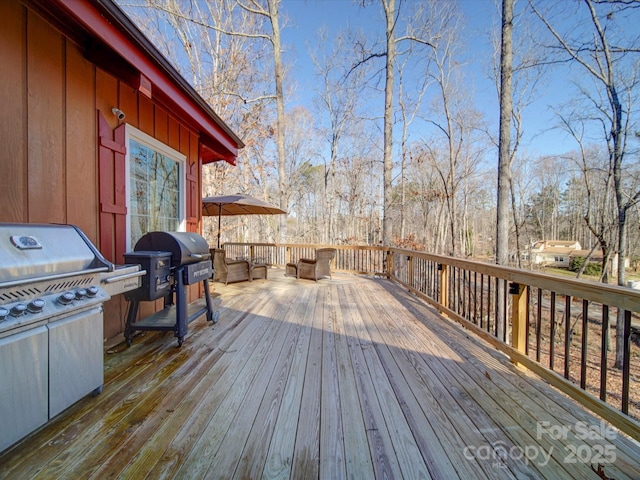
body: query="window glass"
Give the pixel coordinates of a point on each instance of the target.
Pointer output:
(155, 186)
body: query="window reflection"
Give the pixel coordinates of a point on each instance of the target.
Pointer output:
(154, 202)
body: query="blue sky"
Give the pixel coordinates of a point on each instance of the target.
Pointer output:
(305, 17)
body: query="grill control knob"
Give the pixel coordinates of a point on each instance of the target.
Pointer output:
(92, 291)
(81, 293)
(3, 313)
(18, 310)
(66, 298)
(36, 306)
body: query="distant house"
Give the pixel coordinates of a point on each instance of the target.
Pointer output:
(92, 117)
(555, 253)
(560, 253)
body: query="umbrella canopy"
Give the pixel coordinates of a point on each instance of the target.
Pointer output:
(236, 205)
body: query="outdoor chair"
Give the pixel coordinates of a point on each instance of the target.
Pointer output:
(313, 269)
(229, 270)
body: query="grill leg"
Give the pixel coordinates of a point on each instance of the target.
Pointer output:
(211, 315)
(132, 313)
(181, 306)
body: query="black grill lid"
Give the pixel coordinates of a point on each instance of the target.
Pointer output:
(185, 247)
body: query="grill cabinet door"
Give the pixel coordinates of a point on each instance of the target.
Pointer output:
(23, 384)
(76, 363)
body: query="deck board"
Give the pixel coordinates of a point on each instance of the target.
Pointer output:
(344, 378)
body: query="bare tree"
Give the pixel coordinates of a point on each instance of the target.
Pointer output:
(269, 9)
(605, 58)
(392, 39)
(597, 180)
(453, 144)
(410, 103)
(338, 102)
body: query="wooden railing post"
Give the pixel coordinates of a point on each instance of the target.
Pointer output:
(444, 284)
(518, 317)
(287, 255)
(389, 263)
(410, 279)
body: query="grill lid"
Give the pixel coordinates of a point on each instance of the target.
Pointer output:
(32, 251)
(185, 247)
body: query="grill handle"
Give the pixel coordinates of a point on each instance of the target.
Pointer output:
(99, 260)
(126, 276)
(57, 276)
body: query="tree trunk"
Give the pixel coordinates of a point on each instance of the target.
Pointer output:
(504, 157)
(616, 133)
(390, 11)
(280, 120)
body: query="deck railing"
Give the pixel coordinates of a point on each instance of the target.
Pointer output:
(561, 328)
(363, 260)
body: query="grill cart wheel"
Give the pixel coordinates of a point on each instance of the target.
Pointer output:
(213, 317)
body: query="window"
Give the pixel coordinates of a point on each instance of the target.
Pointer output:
(155, 181)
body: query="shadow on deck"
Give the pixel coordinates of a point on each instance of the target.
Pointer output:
(350, 377)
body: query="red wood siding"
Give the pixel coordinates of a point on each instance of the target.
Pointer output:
(45, 113)
(13, 165)
(81, 170)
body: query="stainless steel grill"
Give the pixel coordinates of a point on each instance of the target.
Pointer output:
(172, 261)
(53, 282)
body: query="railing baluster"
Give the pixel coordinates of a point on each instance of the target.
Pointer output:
(468, 289)
(489, 282)
(475, 297)
(626, 360)
(463, 294)
(585, 344)
(604, 345)
(567, 334)
(527, 320)
(496, 313)
(552, 333)
(454, 290)
(482, 300)
(505, 312)
(539, 325)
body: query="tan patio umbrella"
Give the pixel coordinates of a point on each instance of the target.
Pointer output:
(236, 205)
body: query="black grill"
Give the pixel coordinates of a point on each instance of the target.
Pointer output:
(172, 260)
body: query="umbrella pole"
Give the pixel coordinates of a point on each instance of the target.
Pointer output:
(219, 217)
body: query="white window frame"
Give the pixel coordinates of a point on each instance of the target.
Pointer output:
(132, 133)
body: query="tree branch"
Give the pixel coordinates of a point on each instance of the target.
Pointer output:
(365, 60)
(415, 39)
(250, 100)
(209, 26)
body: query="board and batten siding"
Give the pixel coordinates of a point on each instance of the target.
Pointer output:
(53, 101)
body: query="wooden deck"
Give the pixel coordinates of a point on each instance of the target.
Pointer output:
(344, 378)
